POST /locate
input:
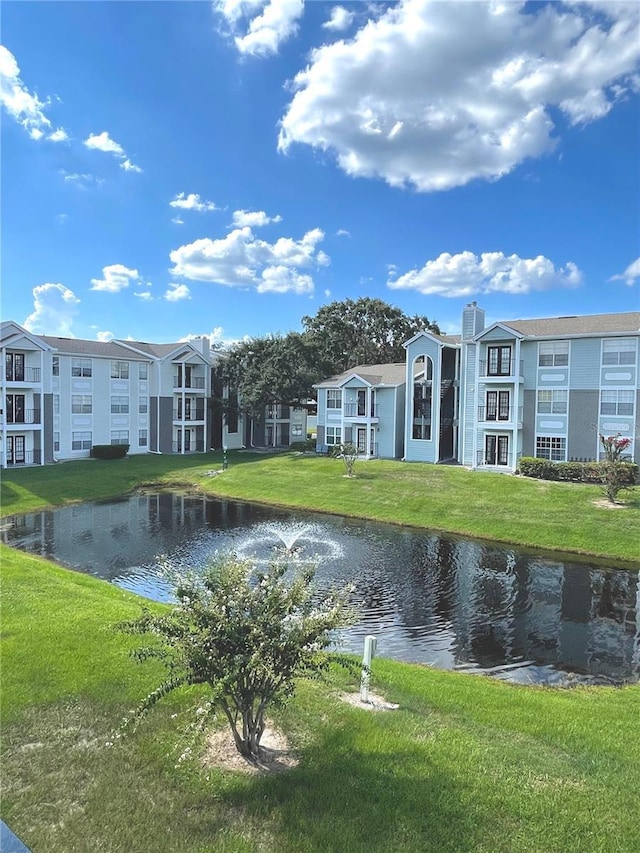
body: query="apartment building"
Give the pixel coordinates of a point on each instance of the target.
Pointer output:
(546, 387)
(63, 395)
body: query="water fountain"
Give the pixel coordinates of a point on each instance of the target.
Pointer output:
(275, 540)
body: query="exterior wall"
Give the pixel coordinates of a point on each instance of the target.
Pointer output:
(469, 404)
(422, 450)
(384, 435)
(583, 412)
(399, 404)
(166, 424)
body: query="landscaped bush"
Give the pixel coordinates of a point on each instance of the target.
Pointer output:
(574, 472)
(109, 451)
(303, 446)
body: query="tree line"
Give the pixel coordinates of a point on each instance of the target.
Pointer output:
(341, 335)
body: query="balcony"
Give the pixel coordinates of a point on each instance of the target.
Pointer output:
(28, 417)
(193, 415)
(26, 376)
(189, 447)
(503, 372)
(357, 410)
(191, 382)
(25, 457)
(500, 416)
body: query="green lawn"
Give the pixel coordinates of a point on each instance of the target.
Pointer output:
(465, 764)
(550, 516)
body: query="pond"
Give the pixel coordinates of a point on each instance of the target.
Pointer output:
(445, 601)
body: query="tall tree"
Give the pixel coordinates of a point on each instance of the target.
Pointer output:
(362, 331)
(274, 369)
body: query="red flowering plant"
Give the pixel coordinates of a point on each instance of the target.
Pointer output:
(614, 476)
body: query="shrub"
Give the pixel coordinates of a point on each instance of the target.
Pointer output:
(247, 634)
(303, 446)
(613, 473)
(109, 451)
(539, 469)
(626, 473)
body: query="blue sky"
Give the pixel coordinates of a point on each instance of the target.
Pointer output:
(176, 169)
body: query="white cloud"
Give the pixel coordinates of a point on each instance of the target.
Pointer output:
(466, 274)
(177, 292)
(340, 19)
(103, 142)
(116, 278)
(80, 180)
(54, 310)
(253, 218)
(630, 275)
(105, 336)
(128, 166)
(433, 95)
(192, 202)
(177, 220)
(22, 105)
(242, 260)
(144, 295)
(260, 26)
(217, 338)
(341, 232)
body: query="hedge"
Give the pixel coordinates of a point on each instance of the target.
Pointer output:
(573, 472)
(109, 451)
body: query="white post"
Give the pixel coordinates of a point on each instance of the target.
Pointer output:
(370, 644)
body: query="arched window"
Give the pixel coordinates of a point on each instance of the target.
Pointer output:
(422, 397)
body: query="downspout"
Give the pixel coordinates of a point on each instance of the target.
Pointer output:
(3, 402)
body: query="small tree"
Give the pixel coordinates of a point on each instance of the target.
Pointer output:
(614, 475)
(348, 453)
(247, 634)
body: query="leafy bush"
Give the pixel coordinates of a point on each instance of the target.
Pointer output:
(304, 446)
(247, 634)
(109, 451)
(577, 472)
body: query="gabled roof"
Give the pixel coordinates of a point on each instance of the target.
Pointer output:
(376, 375)
(589, 324)
(164, 351)
(447, 340)
(78, 346)
(11, 333)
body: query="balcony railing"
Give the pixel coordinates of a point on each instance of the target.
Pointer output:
(191, 447)
(27, 457)
(28, 375)
(502, 370)
(499, 415)
(357, 410)
(193, 415)
(29, 416)
(188, 381)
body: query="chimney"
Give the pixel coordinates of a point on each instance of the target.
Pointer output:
(472, 321)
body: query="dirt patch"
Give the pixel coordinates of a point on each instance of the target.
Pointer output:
(276, 755)
(375, 702)
(603, 503)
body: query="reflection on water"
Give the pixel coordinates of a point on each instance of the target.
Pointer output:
(445, 601)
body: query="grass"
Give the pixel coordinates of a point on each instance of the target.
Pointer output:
(466, 765)
(563, 517)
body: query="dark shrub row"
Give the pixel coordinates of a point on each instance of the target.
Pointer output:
(302, 446)
(573, 472)
(109, 451)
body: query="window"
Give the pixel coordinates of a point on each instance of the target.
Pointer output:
(119, 436)
(550, 447)
(119, 406)
(81, 404)
(296, 429)
(553, 354)
(497, 405)
(499, 361)
(81, 441)
(143, 371)
(422, 398)
(119, 369)
(56, 442)
(81, 367)
(56, 404)
(616, 403)
(143, 406)
(14, 367)
(619, 351)
(496, 450)
(55, 367)
(142, 438)
(334, 399)
(334, 435)
(552, 402)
